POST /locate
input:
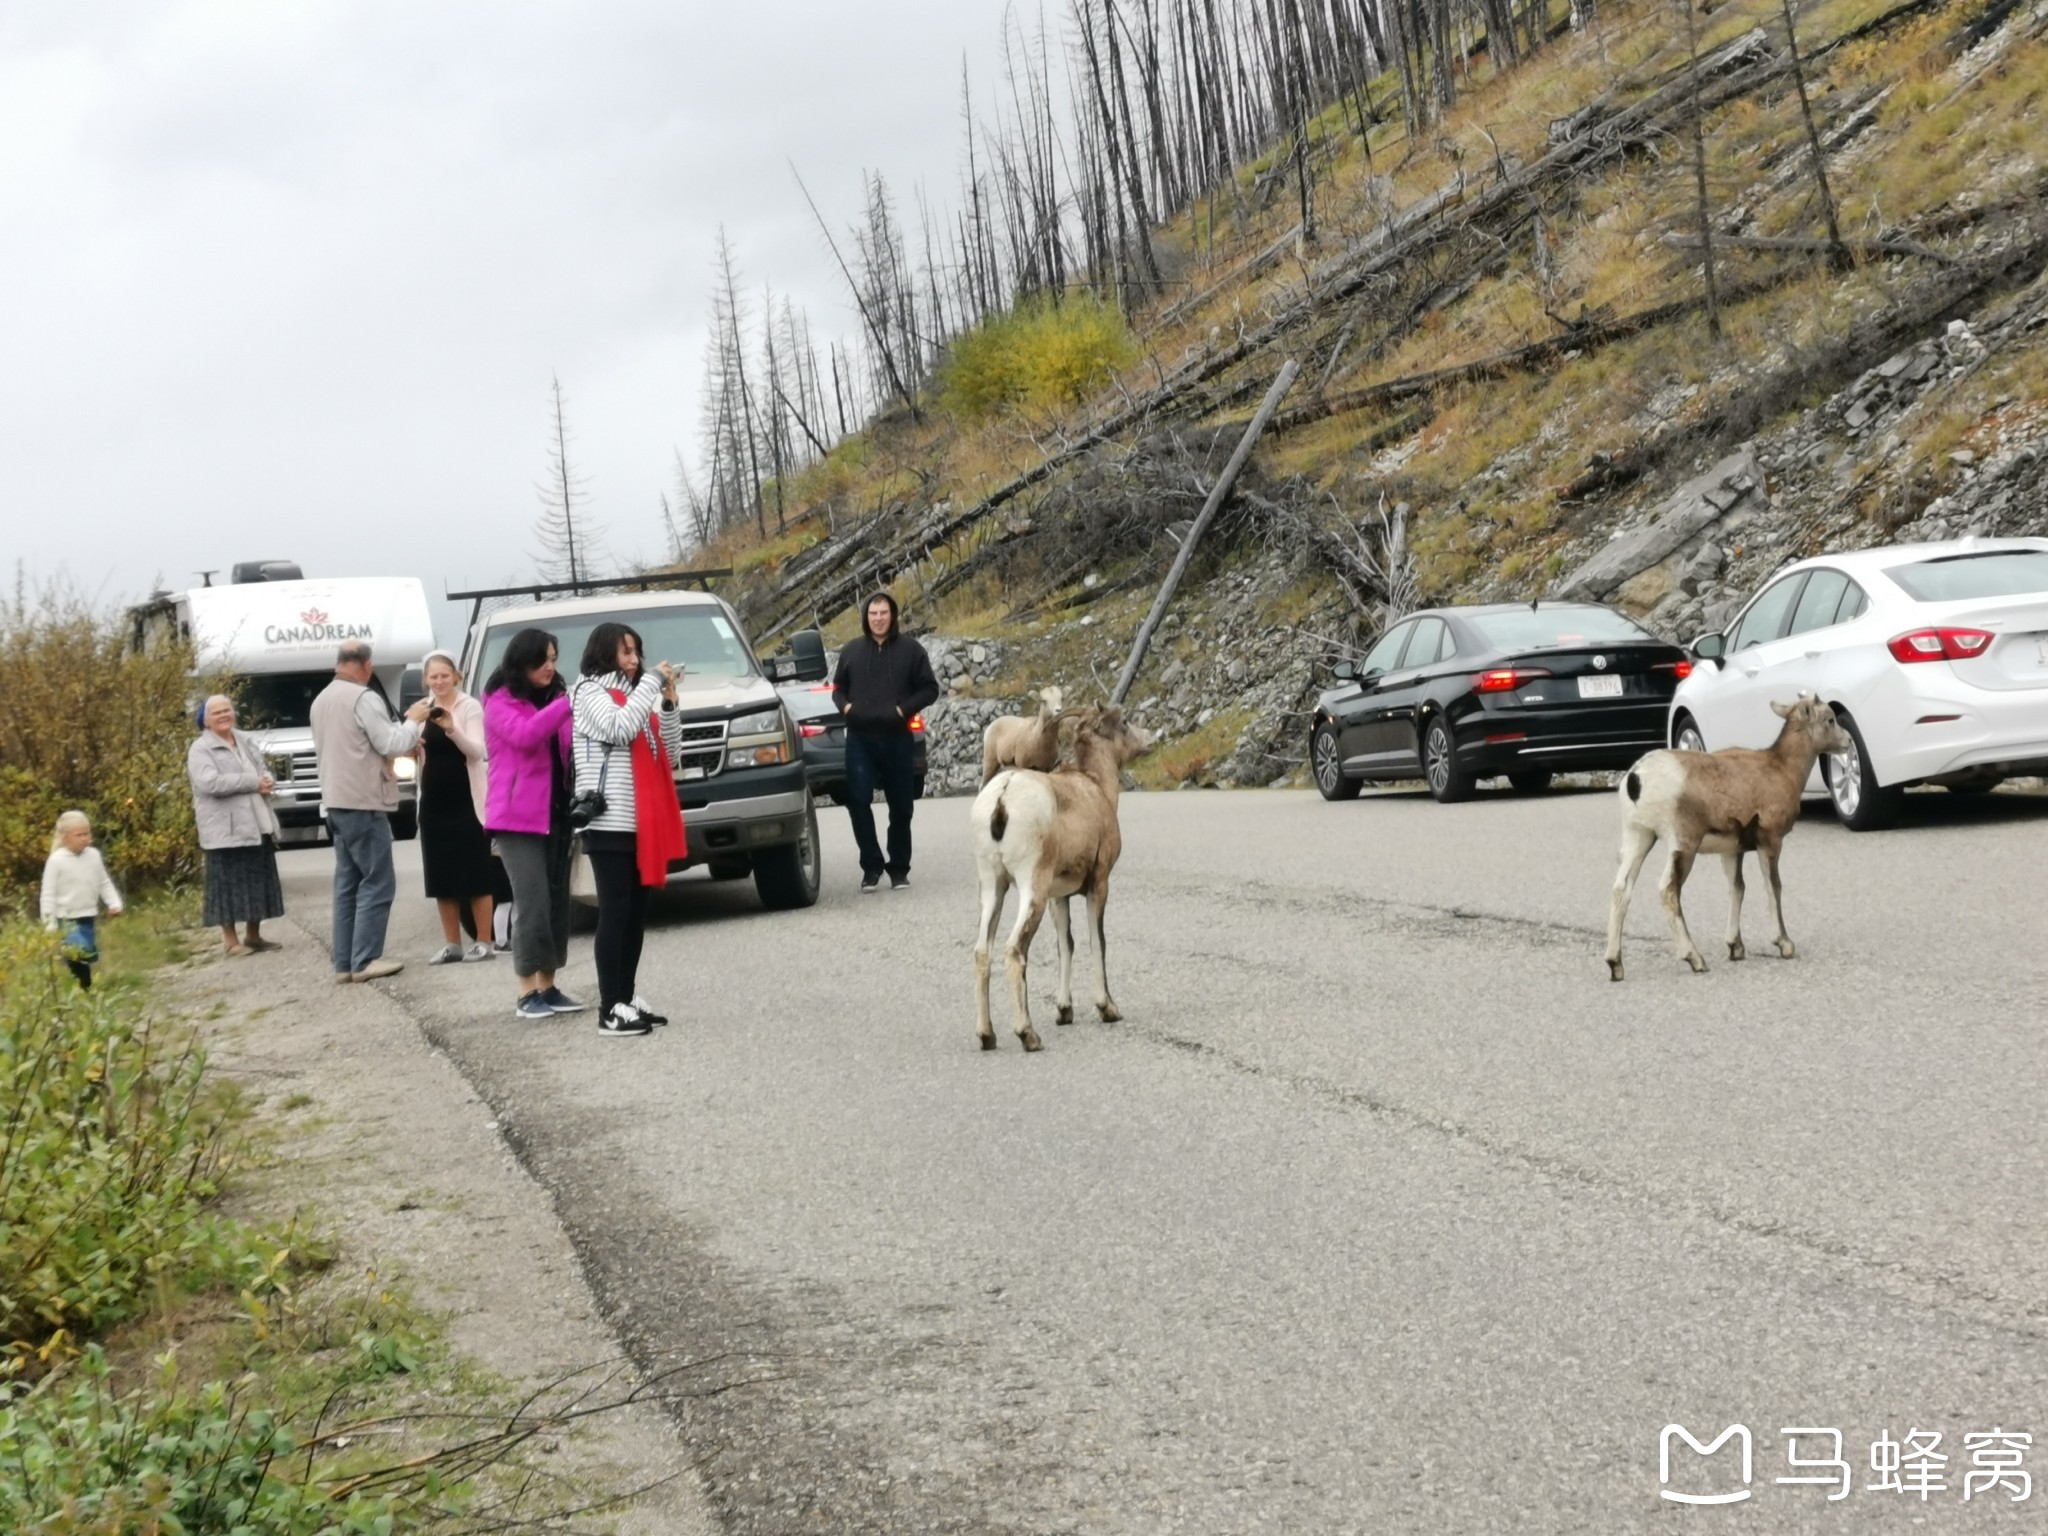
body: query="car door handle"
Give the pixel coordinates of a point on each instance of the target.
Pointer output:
(1813, 655)
(1750, 671)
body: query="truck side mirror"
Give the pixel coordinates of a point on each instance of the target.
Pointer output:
(807, 646)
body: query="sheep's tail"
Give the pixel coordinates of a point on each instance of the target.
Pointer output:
(999, 818)
(1634, 785)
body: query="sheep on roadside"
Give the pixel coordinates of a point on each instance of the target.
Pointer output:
(1024, 741)
(1054, 835)
(1723, 802)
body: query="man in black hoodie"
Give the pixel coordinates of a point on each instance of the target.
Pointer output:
(884, 678)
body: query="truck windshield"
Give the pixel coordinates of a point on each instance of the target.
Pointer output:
(279, 700)
(700, 639)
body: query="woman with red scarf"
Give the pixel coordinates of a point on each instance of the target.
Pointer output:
(628, 742)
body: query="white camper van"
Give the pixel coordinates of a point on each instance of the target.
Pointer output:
(276, 639)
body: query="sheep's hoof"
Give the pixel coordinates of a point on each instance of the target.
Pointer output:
(1031, 1040)
(1107, 1013)
(1786, 950)
(1699, 966)
(988, 1041)
(1614, 970)
(1736, 951)
(1066, 1014)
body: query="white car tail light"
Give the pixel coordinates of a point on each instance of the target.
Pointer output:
(1939, 644)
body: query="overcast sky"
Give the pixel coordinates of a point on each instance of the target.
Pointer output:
(289, 280)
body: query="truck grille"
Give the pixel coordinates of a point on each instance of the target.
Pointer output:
(301, 767)
(703, 751)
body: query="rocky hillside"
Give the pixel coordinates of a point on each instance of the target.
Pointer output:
(1515, 381)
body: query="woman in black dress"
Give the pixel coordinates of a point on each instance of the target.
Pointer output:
(461, 873)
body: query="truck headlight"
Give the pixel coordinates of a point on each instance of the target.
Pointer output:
(402, 769)
(764, 723)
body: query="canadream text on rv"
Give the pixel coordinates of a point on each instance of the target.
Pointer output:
(313, 634)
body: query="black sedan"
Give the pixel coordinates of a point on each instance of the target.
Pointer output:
(1521, 691)
(823, 734)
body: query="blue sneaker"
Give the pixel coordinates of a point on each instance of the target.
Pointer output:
(533, 1006)
(559, 1001)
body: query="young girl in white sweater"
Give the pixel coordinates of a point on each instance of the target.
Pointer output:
(75, 883)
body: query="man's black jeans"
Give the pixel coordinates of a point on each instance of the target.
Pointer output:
(890, 762)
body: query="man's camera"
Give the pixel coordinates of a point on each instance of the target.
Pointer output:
(588, 805)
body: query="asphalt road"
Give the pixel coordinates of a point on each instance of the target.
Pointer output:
(1383, 1210)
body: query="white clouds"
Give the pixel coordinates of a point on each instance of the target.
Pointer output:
(291, 280)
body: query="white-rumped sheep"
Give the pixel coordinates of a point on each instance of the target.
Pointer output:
(1024, 741)
(1054, 836)
(1725, 802)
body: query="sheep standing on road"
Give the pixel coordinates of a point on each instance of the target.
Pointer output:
(1719, 802)
(1054, 835)
(1024, 741)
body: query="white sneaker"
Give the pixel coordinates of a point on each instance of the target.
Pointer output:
(448, 954)
(480, 952)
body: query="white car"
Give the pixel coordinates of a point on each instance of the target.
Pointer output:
(1934, 656)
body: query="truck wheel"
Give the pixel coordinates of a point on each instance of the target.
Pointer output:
(405, 821)
(787, 878)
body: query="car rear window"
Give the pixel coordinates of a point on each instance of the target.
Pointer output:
(1538, 628)
(1957, 578)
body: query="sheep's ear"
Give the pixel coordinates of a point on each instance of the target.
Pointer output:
(1783, 711)
(1113, 717)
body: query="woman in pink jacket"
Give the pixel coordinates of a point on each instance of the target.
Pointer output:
(526, 811)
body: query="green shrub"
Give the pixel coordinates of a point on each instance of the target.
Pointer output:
(110, 1145)
(83, 1461)
(1039, 357)
(92, 725)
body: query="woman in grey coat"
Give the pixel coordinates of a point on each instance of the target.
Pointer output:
(237, 829)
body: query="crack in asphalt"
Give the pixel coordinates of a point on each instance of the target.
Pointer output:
(2029, 1319)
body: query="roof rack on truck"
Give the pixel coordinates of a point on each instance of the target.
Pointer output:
(536, 590)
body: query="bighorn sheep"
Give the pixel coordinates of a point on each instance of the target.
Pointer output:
(1719, 802)
(1024, 741)
(1054, 835)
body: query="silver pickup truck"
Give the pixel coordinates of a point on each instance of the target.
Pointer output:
(747, 808)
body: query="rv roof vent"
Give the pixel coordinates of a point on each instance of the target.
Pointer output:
(267, 570)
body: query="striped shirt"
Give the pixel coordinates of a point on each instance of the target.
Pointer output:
(601, 721)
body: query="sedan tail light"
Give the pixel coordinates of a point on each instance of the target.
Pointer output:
(1682, 669)
(1939, 645)
(917, 722)
(1506, 679)
(812, 728)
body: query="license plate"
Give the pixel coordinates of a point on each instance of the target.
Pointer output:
(1599, 687)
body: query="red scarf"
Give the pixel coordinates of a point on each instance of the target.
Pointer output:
(657, 817)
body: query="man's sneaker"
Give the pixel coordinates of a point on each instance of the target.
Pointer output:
(623, 1021)
(532, 1007)
(560, 1001)
(447, 954)
(480, 952)
(641, 1006)
(869, 884)
(899, 882)
(377, 969)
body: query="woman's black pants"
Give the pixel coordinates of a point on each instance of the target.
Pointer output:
(621, 914)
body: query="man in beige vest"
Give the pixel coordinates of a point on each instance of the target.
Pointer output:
(356, 738)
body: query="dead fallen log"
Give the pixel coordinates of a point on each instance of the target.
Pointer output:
(1807, 244)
